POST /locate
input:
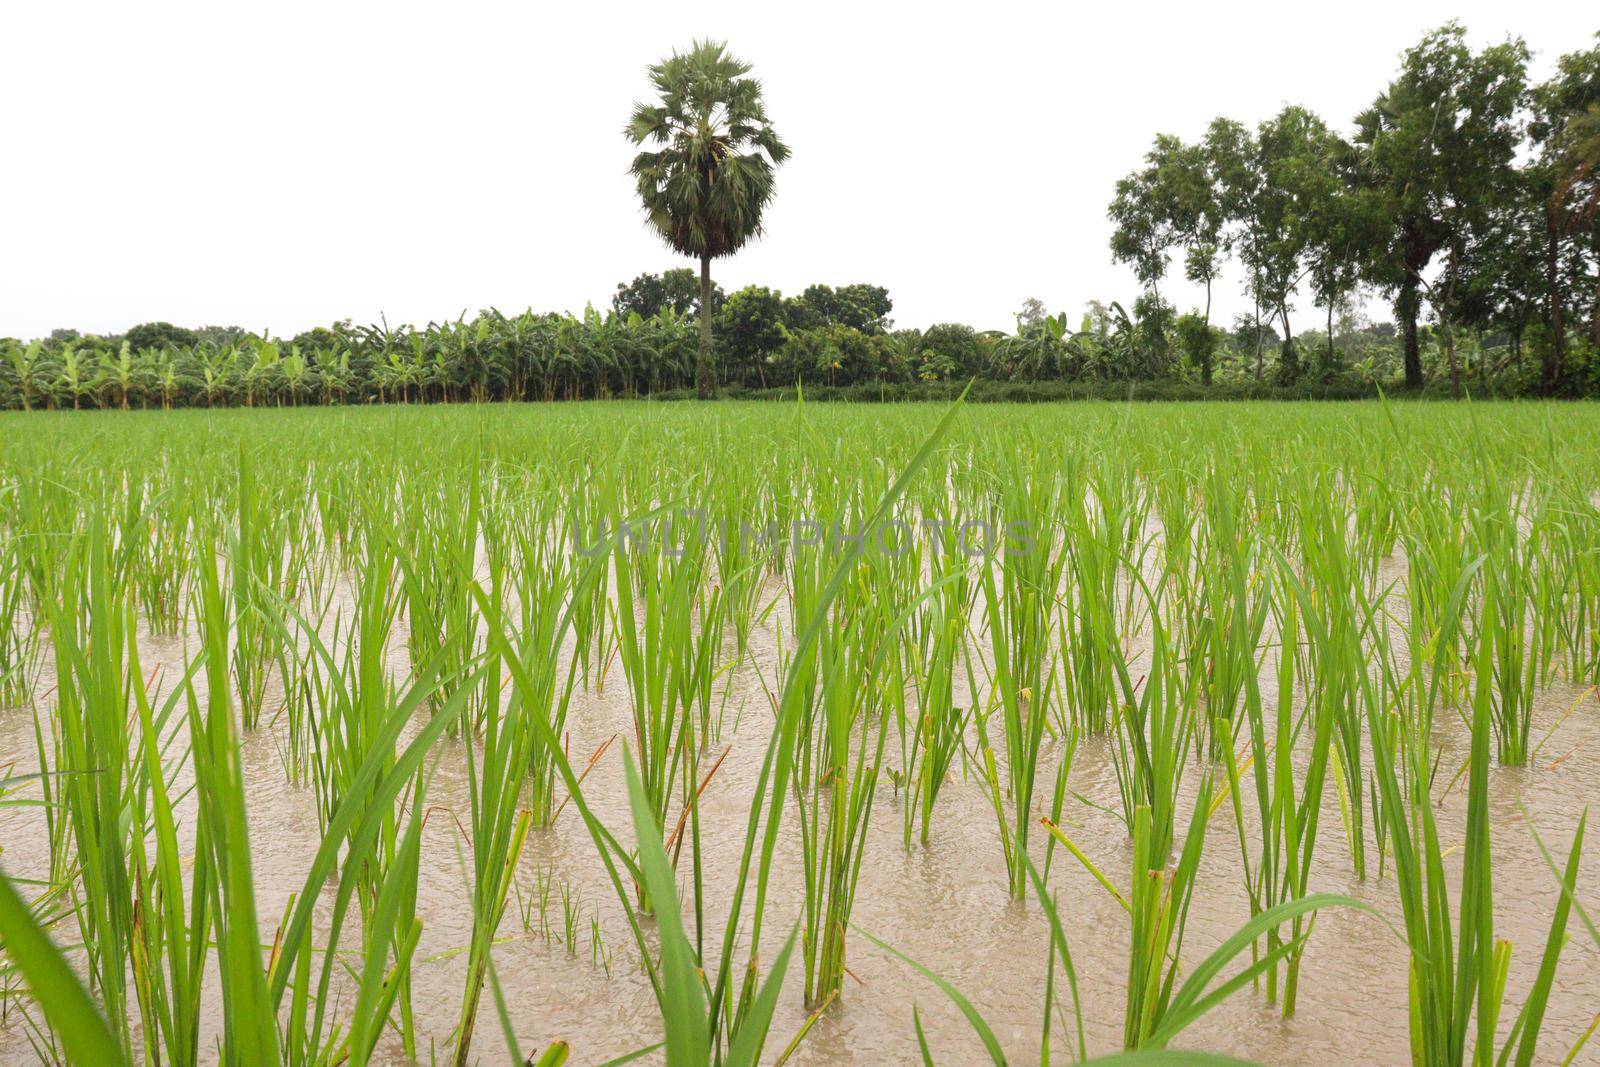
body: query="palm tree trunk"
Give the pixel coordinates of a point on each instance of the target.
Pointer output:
(705, 381)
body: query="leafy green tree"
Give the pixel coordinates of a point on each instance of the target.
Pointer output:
(752, 329)
(956, 349)
(1233, 162)
(709, 171)
(649, 294)
(1564, 177)
(1172, 203)
(1142, 235)
(1198, 340)
(1337, 219)
(1305, 223)
(156, 334)
(1437, 147)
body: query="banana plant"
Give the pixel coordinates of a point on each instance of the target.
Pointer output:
(27, 367)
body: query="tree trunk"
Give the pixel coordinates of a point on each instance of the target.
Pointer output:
(1288, 363)
(1443, 307)
(1450, 357)
(704, 380)
(1330, 335)
(1555, 355)
(1594, 316)
(1259, 338)
(1406, 311)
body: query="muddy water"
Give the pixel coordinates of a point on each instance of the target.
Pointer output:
(946, 904)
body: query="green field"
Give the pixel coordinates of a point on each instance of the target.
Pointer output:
(827, 733)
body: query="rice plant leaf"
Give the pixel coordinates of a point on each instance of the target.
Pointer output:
(991, 1044)
(745, 1049)
(1058, 935)
(554, 1056)
(84, 1035)
(636, 1054)
(683, 1001)
(922, 1038)
(1531, 1018)
(1190, 1001)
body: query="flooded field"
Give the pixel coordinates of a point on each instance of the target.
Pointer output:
(319, 724)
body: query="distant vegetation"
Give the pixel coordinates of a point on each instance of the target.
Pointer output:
(1465, 197)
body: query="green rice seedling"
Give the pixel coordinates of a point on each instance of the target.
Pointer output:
(1233, 610)
(1337, 617)
(169, 945)
(543, 581)
(535, 906)
(1019, 614)
(350, 697)
(256, 568)
(1577, 562)
(312, 1033)
(1087, 616)
(438, 601)
(589, 507)
(1159, 1008)
(156, 539)
(94, 765)
(738, 1012)
(668, 664)
(1458, 968)
(1376, 509)
(222, 839)
(690, 1018)
(938, 723)
(744, 541)
(1508, 589)
(1155, 728)
(253, 994)
(1158, 901)
(1288, 804)
(1125, 500)
(498, 825)
(837, 761)
(1548, 595)
(1438, 552)
(599, 954)
(1177, 505)
(18, 639)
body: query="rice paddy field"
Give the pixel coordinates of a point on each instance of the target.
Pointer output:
(813, 734)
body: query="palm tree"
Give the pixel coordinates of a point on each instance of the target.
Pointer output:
(709, 171)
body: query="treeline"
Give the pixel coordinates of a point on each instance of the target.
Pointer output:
(838, 341)
(1464, 191)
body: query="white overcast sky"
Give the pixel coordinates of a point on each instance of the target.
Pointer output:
(281, 165)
